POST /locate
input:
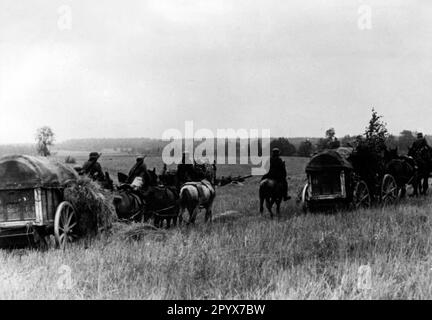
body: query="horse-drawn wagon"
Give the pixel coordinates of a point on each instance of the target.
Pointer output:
(333, 181)
(32, 203)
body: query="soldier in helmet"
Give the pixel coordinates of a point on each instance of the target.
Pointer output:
(277, 171)
(92, 168)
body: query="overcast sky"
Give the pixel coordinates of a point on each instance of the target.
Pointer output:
(137, 68)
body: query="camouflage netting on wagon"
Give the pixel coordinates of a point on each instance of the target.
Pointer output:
(94, 205)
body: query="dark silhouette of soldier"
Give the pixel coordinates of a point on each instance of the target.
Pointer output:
(185, 171)
(418, 145)
(139, 170)
(92, 168)
(277, 171)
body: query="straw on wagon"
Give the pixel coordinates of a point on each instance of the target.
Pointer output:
(94, 205)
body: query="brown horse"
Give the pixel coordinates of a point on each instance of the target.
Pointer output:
(159, 203)
(402, 168)
(270, 191)
(128, 204)
(423, 161)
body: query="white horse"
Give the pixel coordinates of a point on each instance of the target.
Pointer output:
(196, 195)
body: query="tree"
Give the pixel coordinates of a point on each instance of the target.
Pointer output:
(44, 140)
(329, 142)
(376, 133)
(286, 148)
(305, 149)
(330, 134)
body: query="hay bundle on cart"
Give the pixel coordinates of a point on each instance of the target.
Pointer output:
(33, 203)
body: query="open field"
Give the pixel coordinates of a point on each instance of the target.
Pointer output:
(241, 255)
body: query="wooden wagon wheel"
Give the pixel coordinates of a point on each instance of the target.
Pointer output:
(389, 190)
(361, 195)
(65, 224)
(305, 198)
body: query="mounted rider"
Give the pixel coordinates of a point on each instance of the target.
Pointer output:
(92, 168)
(138, 176)
(277, 171)
(418, 144)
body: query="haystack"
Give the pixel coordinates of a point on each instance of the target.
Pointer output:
(94, 206)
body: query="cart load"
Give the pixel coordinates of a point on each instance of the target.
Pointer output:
(333, 182)
(32, 202)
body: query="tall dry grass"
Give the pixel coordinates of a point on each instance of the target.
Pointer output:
(313, 256)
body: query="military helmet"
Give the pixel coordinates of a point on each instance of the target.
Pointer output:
(94, 155)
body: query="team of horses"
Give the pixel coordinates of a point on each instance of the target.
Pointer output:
(165, 202)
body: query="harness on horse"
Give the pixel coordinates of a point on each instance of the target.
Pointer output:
(200, 187)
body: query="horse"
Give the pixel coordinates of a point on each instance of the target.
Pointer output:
(157, 202)
(195, 195)
(270, 191)
(402, 168)
(162, 202)
(128, 204)
(423, 161)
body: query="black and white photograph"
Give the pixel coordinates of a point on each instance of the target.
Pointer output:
(216, 155)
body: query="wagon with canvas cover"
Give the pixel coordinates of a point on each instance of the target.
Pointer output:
(32, 202)
(332, 180)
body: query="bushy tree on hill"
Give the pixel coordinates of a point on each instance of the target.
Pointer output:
(376, 134)
(44, 140)
(329, 142)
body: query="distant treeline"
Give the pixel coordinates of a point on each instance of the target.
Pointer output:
(122, 145)
(307, 146)
(17, 149)
(297, 146)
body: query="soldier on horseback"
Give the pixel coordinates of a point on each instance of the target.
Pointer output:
(277, 171)
(421, 153)
(138, 176)
(418, 144)
(92, 168)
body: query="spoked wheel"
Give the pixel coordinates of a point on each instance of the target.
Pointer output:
(389, 190)
(361, 196)
(305, 198)
(65, 225)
